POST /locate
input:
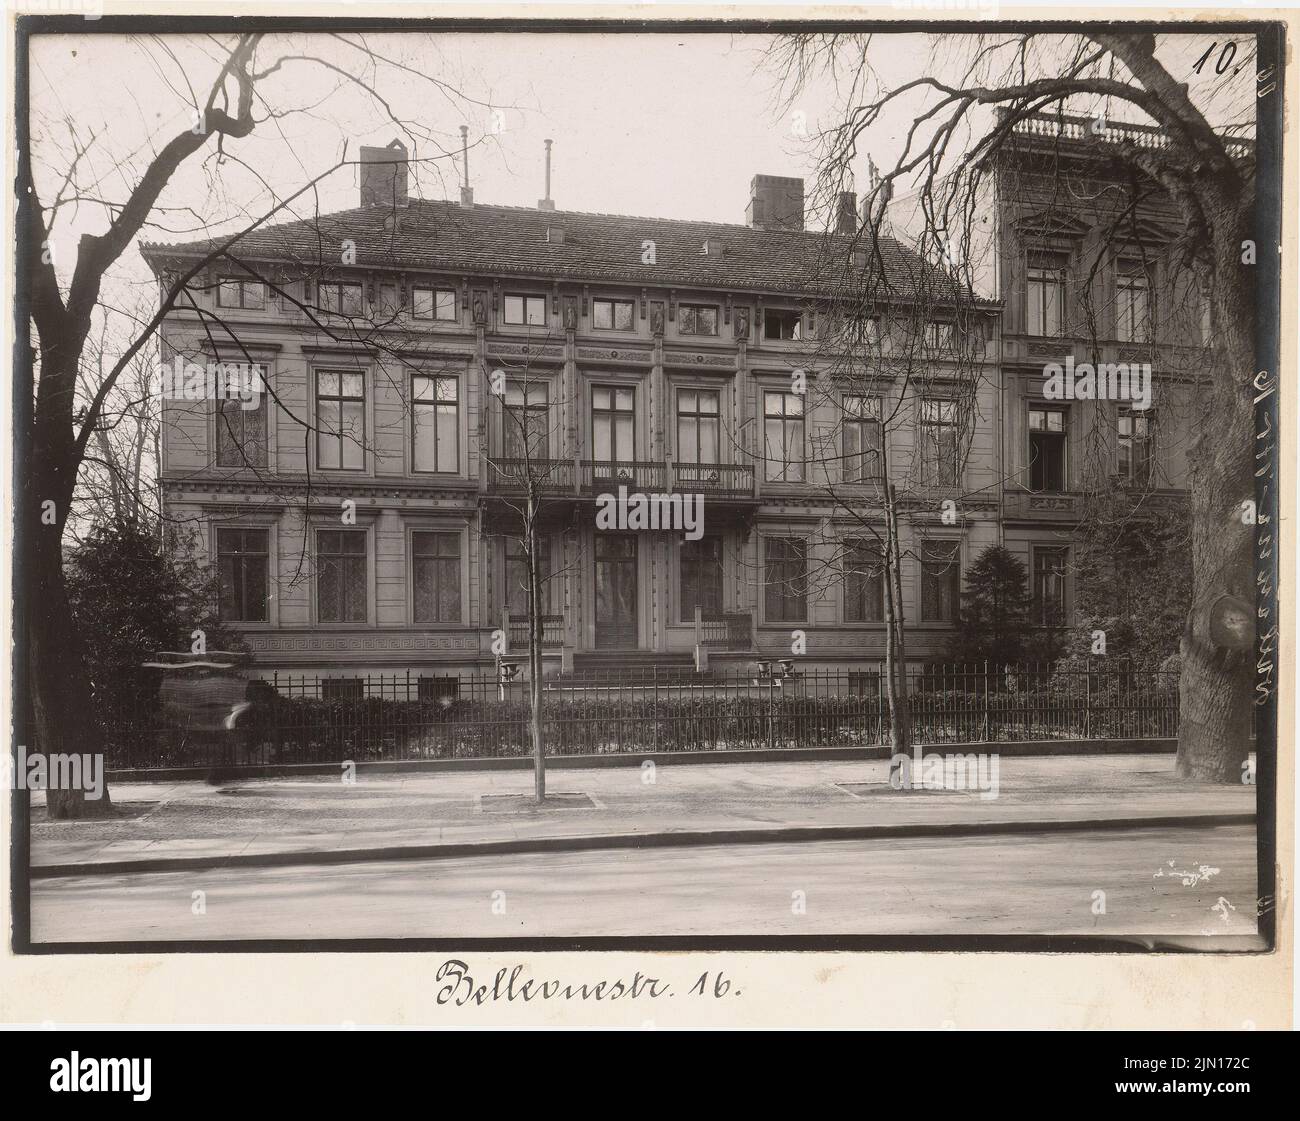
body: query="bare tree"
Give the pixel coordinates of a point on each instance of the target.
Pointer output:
(894, 386)
(529, 478)
(74, 382)
(951, 134)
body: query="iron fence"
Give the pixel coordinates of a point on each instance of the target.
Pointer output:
(295, 719)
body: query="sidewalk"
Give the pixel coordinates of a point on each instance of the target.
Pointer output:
(175, 826)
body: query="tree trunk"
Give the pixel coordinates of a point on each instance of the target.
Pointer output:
(535, 654)
(1215, 702)
(61, 701)
(900, 714)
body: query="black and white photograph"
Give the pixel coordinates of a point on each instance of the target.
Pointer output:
(741, 486)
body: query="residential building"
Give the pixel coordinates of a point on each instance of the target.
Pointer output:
(429, 363)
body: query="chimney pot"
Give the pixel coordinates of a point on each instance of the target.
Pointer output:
(846, 214)
(383, 175)
(547, 203)
(775, 203)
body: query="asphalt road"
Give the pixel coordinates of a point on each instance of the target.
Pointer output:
(1017, 884)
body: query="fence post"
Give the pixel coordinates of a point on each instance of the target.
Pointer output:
(880, 702)
(987, 719)
(655, 716)
(1087, 698)
(275, 718)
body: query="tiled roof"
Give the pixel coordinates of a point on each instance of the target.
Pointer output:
(438, 236)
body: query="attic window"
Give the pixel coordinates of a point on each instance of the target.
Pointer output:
(712, 247)
(555, 235)
(782, 323)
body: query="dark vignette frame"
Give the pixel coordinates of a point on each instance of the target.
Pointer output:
(1270, 67)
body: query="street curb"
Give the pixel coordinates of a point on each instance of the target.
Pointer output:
(1007, 749)
(685, 838)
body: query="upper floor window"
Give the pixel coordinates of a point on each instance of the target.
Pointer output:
(862, 330)
(1045, 304)
(434, 303)
(1049, 586)
(1133, 311)
(242, 559)
(864, 582)
(863, 459)
(1136, 433)
(435, 569)
(697, 319)
(237, 292)
(241, 431)
(1047, 436)
(341, 576)
(611, 315)
(785, 579)
(340, 420)
(435, 421)
(940, 581)
(938, 335)
(612, 428)
(697, 426)
(783, 436)
(939, 441)
(782, 323)
(339, 297)
(526, 420)
(525, 311)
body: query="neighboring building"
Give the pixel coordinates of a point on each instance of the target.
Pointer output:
(426, 360)
(1088, 269)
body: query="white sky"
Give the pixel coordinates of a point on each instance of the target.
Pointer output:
(666, 125)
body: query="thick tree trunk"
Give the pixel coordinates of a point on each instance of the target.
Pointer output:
(1215, 687)
(61, 701)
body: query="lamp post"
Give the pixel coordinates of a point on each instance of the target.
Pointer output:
(507, 671)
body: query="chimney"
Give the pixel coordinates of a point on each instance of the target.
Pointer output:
(466, 191)
(775, 203)
(547, 203)
(846, 213)
(383, 175)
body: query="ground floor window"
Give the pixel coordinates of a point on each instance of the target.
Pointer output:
(785, 579)
(435, 564)
(242, 562)
(341, 576)
(940, 581)
(1049, 586)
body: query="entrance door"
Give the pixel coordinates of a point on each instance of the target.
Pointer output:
(615, 591)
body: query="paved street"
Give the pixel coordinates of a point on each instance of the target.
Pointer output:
(243, 819)
(1017, 884)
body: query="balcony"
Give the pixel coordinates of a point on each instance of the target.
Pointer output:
(586, 478)
(1022, 505)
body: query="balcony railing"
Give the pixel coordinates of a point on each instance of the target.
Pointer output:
(725, 631)
(511, 476)
(1065, 127)
(517, 632)
(591, 477)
